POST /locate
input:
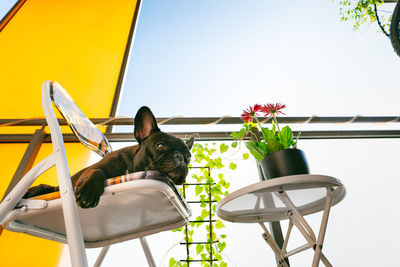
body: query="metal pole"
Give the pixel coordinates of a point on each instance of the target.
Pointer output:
(147, 252)
(101, 256)
(275, 227)
(69, 208)
(26, 162)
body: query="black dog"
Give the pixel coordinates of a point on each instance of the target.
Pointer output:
(157, 151)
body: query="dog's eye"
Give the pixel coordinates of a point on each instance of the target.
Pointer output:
(160, 146)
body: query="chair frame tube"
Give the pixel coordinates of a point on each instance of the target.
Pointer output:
(72, 225)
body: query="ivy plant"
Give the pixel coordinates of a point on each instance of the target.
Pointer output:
(210, 186)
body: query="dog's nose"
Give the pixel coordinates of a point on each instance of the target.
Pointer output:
(178, 156)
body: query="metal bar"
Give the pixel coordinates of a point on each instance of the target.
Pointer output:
(26, 162)
(101, 256)
(124, 63)
(274, 246)
(199, 183)
(199, 202)
(198, 260)
(210, 225)
(216, 120)
(298, 250)
(288, 202)
(190, 243)
(69, 208)
(275, 227)
(215, 136)
(147, 252)
(289, 231)
(6, 19)
(186, 231)
(305, 234)
(202, 221)
(322, 229)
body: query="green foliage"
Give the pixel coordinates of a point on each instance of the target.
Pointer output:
(208, 190)
(362, 11)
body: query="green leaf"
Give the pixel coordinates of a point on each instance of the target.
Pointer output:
(199, 248)
(269, 134)
(246, 156)
(219, 224)
(257, 152)
(286, 137)
(198, 189)
(172, 262)
(234, 144)
(273, 146)
(238, 135)
(232, 166)
(221, 246)
(204, 213)
(223, 148)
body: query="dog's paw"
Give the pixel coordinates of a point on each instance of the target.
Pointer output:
(40, 190)
(89, 188)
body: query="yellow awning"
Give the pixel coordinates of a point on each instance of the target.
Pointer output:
(81, 44)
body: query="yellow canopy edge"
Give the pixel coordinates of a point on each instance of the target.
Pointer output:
(80, 44)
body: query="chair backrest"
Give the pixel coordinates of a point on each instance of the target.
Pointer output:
(87, 133)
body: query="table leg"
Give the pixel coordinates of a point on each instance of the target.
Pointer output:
(274, 246)
(322, 230)
(305, 229)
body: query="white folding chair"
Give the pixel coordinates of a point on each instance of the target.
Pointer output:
(132, 206)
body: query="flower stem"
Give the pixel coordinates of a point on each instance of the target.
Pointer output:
(276, 122)
(259, 125)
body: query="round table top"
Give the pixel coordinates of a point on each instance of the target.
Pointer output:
(260, 202)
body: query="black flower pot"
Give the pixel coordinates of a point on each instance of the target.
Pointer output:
(283, 163)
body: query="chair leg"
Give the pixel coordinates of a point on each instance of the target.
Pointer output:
(101, 256)
(147, 252)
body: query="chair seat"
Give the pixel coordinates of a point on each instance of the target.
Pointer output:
(126, 211)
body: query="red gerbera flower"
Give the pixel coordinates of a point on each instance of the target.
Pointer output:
(271, 109)
(249, 114)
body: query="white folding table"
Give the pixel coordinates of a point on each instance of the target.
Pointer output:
(289, 197)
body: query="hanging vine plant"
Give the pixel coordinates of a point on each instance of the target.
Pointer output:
(210, 186)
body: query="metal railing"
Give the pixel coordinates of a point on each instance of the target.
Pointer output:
(221, 134)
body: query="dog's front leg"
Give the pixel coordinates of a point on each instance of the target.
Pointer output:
(89, 187)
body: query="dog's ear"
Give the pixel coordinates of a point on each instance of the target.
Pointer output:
(145, 124)
(189, 143)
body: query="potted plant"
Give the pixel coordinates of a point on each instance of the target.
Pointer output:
(275, 148)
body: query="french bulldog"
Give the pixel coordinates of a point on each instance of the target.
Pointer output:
(156, 151)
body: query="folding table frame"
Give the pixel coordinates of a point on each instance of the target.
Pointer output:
(290, 197)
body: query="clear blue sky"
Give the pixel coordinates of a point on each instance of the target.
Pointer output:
(214, 58)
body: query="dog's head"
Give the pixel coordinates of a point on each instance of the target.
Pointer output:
(159, 151)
